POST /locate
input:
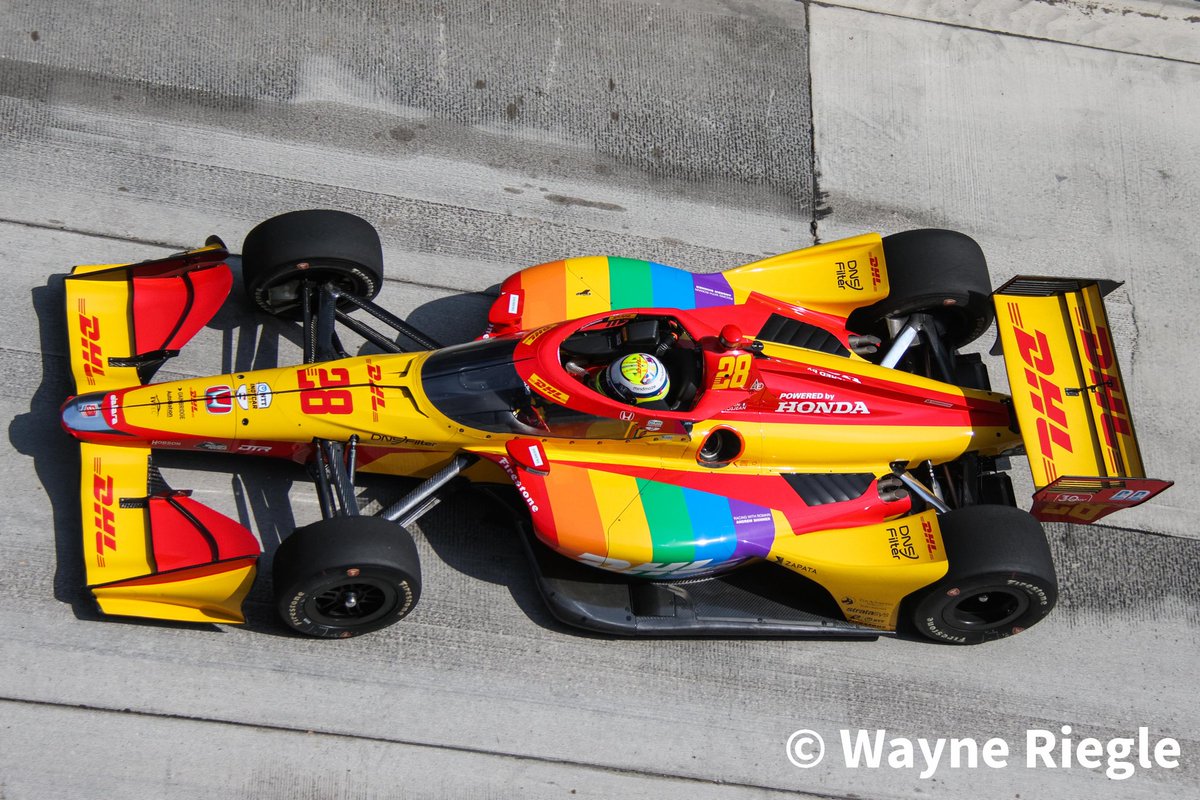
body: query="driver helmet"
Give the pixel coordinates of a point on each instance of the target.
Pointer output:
(636, 378)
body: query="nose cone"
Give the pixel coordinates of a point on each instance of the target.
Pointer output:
(90, 413)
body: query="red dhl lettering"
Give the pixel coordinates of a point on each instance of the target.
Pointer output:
(375, 373)
(1045, 395)
(1114, 420)
(102, 514)
(93, 363)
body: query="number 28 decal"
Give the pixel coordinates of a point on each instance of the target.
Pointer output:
(317, 398)
(732, 372)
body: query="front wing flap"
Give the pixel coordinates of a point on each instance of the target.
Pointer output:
(150, 551)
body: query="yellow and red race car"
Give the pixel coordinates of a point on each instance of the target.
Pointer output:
(815, 457)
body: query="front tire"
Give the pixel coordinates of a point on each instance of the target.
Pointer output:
(318, 245)
(1001, 578)
(346, 576)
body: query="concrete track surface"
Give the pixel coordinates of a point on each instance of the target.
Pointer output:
(483, 137)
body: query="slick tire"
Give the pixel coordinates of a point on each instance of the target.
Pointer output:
(345, 576)
(1001, 578)
(319, 245)
(940, 273)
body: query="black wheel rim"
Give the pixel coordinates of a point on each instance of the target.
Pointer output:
(283, 293)
(986, 609)
(352, 603)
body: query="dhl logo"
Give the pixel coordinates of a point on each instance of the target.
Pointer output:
(92, 356)
(102, 511)
(876, 277)
(374, 374)
(535, 335)
(930, 540)
(550, 391)
(1045, 395)
(1103, 378)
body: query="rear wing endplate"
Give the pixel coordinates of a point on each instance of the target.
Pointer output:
(1070, 398)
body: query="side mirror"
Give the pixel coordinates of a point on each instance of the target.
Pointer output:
(529, 455)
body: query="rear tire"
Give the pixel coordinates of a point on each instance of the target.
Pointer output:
(318, 245)
(937, 272)
(1001, 578)
(346, 576)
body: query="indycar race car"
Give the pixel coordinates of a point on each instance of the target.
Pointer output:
(817, 457)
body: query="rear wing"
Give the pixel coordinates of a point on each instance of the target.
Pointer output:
(1070, 399)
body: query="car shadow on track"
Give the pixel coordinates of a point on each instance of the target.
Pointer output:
(39, 435)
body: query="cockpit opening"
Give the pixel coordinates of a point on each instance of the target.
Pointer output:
(590, 351)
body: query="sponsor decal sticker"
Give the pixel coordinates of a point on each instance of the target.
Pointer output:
(512, 474)
(89, 342)
(1045, 395)
(114, 411)
(253, 396)
(675, 569)
(837, 376)
(262, 395)
(822, 407)
(806, 396)
(400, 440)
(847, 275)
(535, 455)
(218, 399)
(374, 375)
(535, 335)
(900, 543)
(103, 518)
(548, 389)
(795, 566)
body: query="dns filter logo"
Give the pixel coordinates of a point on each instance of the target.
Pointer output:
(1118, 757)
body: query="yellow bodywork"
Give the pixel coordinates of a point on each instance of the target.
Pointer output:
(834, 278)
(868, 570)
(97, 330)
(196, 596)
